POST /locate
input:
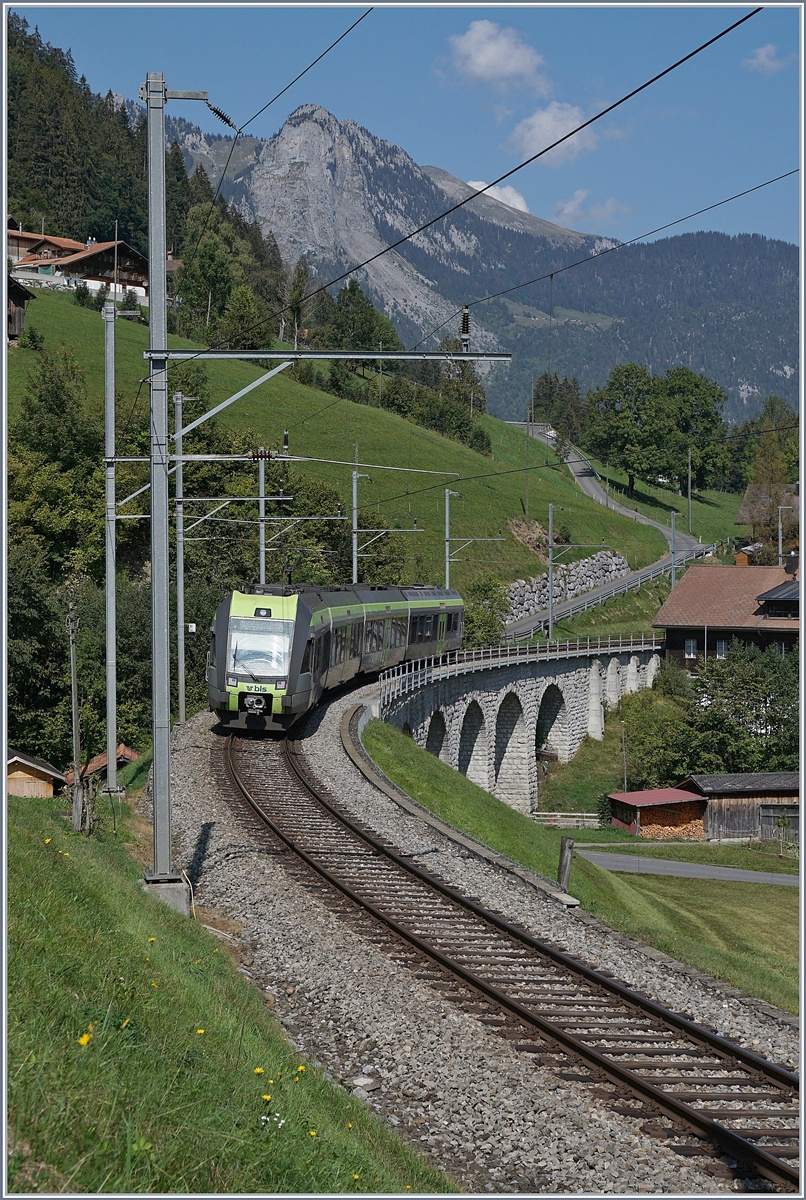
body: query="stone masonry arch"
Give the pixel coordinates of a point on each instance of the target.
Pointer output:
(435, 742)
(511, 754)
(552, 728)
(473, 753)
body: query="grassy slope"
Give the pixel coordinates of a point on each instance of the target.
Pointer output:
(325, 427)
(152, 1103)
(743, 933)
(712, 513)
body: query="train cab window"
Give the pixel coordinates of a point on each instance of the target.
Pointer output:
(211, 656)
(306, 658)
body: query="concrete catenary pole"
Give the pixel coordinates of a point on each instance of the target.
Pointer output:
(261, 491)
(154, 97)
(180, 560)
(108, 314)
(355, 526)
(78, 788)
(551, 571)
(448, 494)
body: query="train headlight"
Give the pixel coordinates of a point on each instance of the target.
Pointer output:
(255, 703)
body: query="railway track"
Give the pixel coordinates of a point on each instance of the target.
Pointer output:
(641, 1059)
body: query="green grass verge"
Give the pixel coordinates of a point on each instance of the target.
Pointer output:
(492, 489)
(139, 1060)
(746, 934)
(712, 513)
(762, 857)
(595, 770)
(631, 613)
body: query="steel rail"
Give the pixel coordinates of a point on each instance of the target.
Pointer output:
(744, 1151)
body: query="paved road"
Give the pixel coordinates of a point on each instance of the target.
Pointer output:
(586, 479)
(683, 870)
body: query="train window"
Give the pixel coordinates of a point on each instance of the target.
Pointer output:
(398, 632)
(355, 640)
(339, 645)
(428, 628)
(373, 637)
(306, 658)
(413, 629)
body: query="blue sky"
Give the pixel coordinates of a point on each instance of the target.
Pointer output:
(476, 89)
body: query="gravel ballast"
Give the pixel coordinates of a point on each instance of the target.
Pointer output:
(484, 1113)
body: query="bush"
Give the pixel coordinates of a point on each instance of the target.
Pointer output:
(31, 338)
(82, 295)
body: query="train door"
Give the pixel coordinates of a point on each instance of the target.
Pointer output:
(387, 641)
(441, 633)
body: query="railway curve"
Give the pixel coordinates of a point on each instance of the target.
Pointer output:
(560, 1011)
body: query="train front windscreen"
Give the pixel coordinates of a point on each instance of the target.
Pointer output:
(259, 646)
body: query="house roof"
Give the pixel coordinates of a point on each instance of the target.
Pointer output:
(784, 591)
(99, 763)
(723, 598)
(28, 760)
(47, 240)
(752, 782)
(671, 795)
(15, 287)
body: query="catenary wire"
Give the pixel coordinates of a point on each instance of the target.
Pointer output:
(609, 250)
(461, 203)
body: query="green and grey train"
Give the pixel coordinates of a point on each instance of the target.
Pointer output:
(275, 649)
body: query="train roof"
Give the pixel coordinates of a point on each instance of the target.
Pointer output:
(363, 593)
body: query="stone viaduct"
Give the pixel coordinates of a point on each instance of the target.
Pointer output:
(494, 718)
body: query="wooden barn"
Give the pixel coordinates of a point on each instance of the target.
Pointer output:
(29, 776)
(18, 297)
(661, 813)
(707, 807)
(734, 801)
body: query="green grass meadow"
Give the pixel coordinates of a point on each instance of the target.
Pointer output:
(761, 856)
(745, 934)
(713, 513)
(323, 426)
(139, 1060)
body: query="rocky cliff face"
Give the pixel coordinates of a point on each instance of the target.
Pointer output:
(332, 191)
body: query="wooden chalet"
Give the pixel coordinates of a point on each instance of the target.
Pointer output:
(712, 605)
(90, 264)
(29, 776)
(18, 297)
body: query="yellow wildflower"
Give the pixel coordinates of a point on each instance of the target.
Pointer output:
(267, 1097)
(200, 1031)
(47, 840)
(258, 1070)
(300, 1068)
(312, 1132)
(85, 1039)
(152, 939)
(125, 1023)
(153, 984)
(349, 1124)
(356, 1176)
(67, 854)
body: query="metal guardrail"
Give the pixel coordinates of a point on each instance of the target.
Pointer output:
(619, 588)
(409, 676)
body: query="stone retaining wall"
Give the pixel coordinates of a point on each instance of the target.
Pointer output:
(570, 580)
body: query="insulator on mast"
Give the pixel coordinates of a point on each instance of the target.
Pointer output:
(465, 334)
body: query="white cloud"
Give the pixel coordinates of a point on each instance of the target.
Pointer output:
(567, 210)
(763, 59)
(506, 194)
(607, 212)
(489, 54)
(573, 210)
(546, 125)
